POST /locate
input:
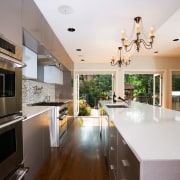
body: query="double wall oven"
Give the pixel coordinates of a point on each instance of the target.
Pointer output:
(11, 144)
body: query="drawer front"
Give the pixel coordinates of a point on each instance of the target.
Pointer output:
(112, 151)
(128, 164)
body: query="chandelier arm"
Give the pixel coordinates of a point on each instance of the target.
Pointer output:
(146, 45)
(115, 63)
(129, 46)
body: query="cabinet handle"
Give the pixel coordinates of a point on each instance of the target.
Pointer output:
(112, 167)
(125, 163)
(112, 148)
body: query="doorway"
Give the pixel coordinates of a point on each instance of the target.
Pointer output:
(90, 88)
(145, 87)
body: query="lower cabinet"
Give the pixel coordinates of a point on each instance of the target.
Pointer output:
(128, 164)
(122, 163)
(36, 142)
(112, 151)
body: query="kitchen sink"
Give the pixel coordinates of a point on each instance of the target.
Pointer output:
(117, 106)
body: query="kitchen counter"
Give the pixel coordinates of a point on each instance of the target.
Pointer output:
(32, 111)
(152, 133)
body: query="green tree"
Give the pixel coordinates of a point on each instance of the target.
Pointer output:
(143, 84)
(95, 86)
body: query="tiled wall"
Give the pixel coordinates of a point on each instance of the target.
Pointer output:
(34, 91)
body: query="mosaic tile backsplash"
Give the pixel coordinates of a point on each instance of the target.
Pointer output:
(34, 91)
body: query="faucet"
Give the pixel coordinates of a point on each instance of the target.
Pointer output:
(127, 101)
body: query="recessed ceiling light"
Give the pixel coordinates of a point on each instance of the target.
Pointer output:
(176, 39)
(78, 49)
(71, 29)
(64, 9)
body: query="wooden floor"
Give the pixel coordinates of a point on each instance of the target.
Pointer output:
(79, 157)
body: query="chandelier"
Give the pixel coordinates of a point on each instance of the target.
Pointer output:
(123, 59)
(138, 40)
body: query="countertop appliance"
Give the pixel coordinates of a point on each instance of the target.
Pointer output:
(58, 125)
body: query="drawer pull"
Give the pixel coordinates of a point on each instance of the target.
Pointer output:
(112, 148)
(112, 167)
(125, 163)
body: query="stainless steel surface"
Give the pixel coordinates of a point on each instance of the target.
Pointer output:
(11, 122)
(36, 142)
(21, 173)
(11, 105)
(13, 61)
(11, 144)
(18, 173)
(60, 126)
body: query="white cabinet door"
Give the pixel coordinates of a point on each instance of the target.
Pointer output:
(53, 75)
(30, 59)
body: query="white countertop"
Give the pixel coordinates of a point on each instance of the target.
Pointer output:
(151, 132)
(31, 111)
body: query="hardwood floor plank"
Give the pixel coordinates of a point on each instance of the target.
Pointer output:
(80, 157)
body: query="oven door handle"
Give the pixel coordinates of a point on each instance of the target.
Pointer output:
(19, 118)
(21, 172)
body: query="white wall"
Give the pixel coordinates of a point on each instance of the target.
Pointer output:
(138, 64)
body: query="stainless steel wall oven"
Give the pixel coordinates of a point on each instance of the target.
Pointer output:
(10, 93)
(11, 147)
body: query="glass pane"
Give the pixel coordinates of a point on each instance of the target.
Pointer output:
(176, 91)
(157, 90)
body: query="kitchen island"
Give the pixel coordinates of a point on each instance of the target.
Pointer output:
(151, 134)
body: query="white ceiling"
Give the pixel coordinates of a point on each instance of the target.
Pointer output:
(99, 23)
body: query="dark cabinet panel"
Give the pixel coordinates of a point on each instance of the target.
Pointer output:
(128, 164)
(112, 159)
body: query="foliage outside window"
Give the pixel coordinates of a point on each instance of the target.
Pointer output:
(95, 87)
(143, 86)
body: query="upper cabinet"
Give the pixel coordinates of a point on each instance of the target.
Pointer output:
(53, 75)
(30, 59)
(11, 26)
(35, 23)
